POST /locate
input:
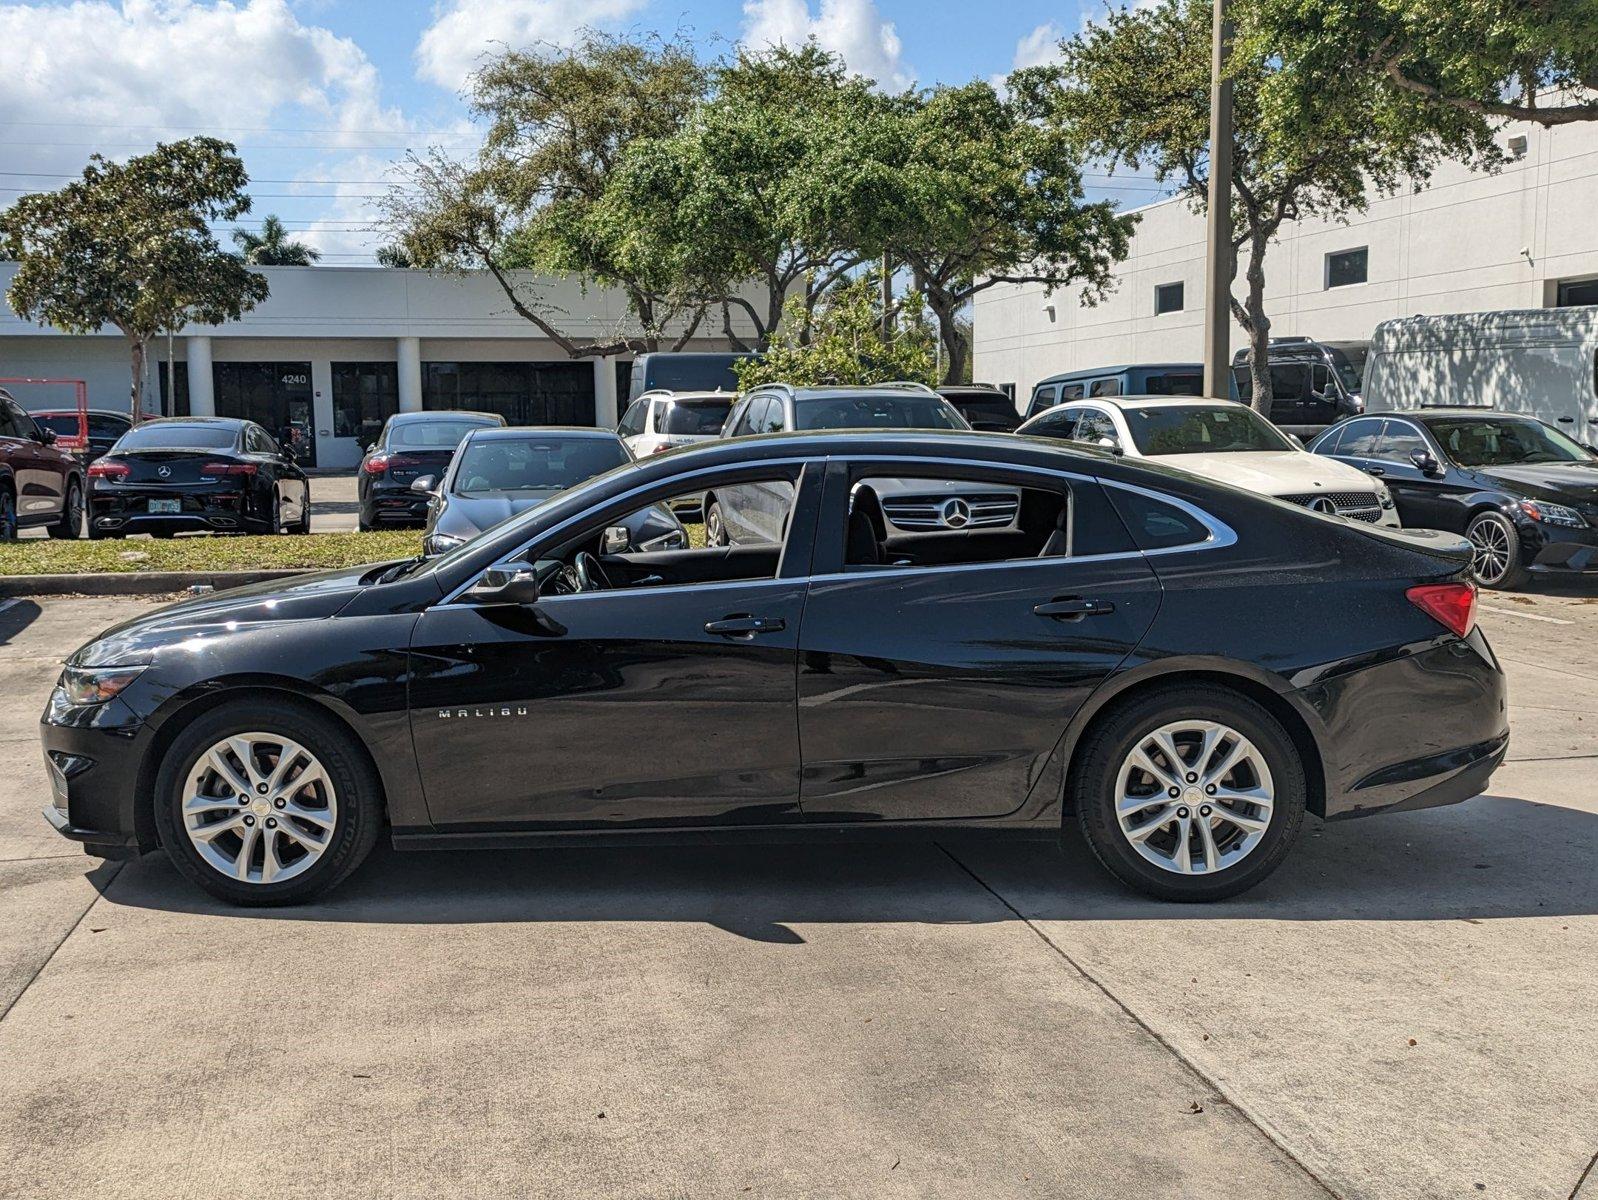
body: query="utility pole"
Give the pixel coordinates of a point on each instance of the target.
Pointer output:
(1219, 255)
(887, 300)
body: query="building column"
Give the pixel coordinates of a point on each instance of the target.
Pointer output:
(408, 352)
(605, 414)
(202, 384)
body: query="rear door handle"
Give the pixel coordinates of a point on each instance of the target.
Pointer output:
(739, 625)
(1070, 608)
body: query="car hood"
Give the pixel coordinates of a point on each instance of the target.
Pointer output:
(302, 598)
(1560, 483)
(463, 515)
(1273, 472)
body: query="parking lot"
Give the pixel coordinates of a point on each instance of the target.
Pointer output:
(1404, 1009)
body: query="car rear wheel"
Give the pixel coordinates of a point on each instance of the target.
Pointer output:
(1495, 552)
(266, 802)
(71, 523)
(1190, 794)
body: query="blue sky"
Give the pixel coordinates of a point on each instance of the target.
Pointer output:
(323, 96)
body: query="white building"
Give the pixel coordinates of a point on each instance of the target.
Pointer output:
(1526, 237)
(335, 350)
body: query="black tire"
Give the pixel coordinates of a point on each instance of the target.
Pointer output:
(303, 525)
(162, 534)
(1497, 561)
(359, 814)
(70, 526)
(8, 516)
(1093, 789)
(715, 526)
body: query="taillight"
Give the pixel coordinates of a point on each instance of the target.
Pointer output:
(101, 469)
(1453, 604)
(379, 463)
(227, 468)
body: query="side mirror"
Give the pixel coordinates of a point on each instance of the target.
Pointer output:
(1298, 442)
(1113, 445)
(615, 540)
(423, 484)
(46, 436)
(1428, 464)
(501, 587)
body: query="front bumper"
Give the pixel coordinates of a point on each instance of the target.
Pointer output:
(1423, 728)
(1557, 550)
(93, 758)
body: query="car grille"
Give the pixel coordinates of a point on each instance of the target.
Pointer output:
(978, 510)
(1356, 506)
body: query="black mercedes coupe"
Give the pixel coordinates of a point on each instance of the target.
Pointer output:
(1176, 669)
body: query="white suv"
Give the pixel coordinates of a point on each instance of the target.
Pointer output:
(1220, 440)
(663, 420)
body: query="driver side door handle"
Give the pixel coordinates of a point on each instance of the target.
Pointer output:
(742, 625)
(1072, 608)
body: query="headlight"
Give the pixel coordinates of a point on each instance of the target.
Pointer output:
(1384, 495)
(1553, 514)
(438, 543)
(81, 686)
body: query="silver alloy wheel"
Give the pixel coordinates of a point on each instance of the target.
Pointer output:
(1194, 797)
(259, 808)
(714, 534)
(1489, 550)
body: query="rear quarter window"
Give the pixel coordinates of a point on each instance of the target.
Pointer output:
(1156, 524)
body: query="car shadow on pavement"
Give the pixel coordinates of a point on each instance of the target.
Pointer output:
(16, 616)
(1494, 857)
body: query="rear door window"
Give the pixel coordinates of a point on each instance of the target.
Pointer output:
(1044, 396)
(1106, 387)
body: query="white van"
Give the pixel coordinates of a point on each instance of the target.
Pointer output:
(1539, 362)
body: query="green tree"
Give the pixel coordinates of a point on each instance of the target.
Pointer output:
(1134, 92)
(1495, 60)
(129, 245)
(759, 187)
(273, 247)
(558, 123)
(846, 342)
(980, 193)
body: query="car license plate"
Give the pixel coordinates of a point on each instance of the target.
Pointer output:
(166, 506)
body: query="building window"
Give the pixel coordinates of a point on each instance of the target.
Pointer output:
(1167, 298)
(276, 396)
(364, 396)
(180, 385)
(1346, 266)
(1573, 292)
(524, 393)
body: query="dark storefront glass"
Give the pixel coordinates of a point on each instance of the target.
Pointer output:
(180, 385)
(274, 395)
(558, 393)
(364, 396)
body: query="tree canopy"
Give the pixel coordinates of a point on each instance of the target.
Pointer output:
(129, 245)
(273, 247)
(846, 341)
(1133, 92)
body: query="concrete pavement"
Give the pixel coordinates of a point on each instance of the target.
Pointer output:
(1403, 1010)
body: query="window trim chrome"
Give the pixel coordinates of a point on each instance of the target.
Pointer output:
(1221, 535)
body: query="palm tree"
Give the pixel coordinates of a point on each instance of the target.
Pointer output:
(272, 247)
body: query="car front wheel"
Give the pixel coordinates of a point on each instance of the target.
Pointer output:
(266, 802)
(1495, 552)
(715, 525)
(1190, 794)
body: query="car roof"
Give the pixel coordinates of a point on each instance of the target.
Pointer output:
(1143, 401)
(498, 433)
(1454, 413)
(699, 394)
(971, 389)
(1090, 372)
(445, 414)
(232, 422)
(96, 412)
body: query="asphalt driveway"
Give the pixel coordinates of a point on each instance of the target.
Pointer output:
(1403, 1010)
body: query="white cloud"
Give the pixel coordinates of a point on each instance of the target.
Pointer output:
(118, 77)
(463, 31)
(1040, 46)
(852, 29)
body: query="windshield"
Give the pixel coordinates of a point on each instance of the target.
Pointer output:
(995, 411)
(695, 416)
(178, 437)
(883, 410)
(431, 435)
(1223, 429)
(1504, 442)
(497, 464)
(1349, 363)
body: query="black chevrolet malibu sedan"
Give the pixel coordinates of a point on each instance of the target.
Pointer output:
(197, 475)
(1525, 494)
(1176, 669)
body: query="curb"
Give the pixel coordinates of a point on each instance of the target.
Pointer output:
(136, 583)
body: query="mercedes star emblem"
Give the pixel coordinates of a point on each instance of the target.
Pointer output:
(956, 513)
(163, 472)
(1323, 504)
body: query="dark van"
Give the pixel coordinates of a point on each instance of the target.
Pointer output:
(689, 371)
(1313, 384)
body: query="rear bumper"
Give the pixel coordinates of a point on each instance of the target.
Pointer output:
(394, 506)
(127, 510)
(1423, 728)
